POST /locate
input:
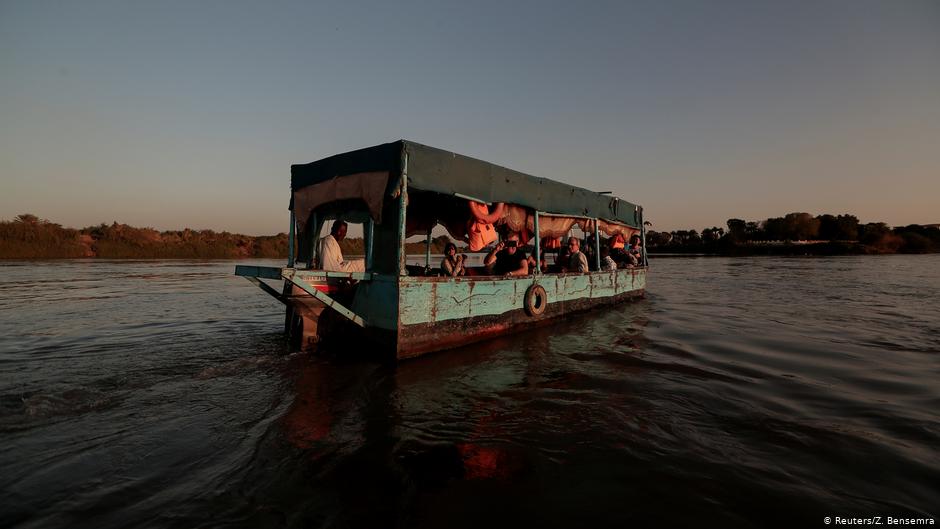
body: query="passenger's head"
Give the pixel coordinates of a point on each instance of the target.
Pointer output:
(634, 240)
(450, 249)
(338, 229)
(574, 245)
(512, 243)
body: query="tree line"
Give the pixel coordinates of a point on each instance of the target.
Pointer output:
(30, 237)
(800, 233)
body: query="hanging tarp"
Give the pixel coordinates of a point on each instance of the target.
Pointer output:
(369, 187)
(384, 158)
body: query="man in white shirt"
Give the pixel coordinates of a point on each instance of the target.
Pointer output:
(331, 256)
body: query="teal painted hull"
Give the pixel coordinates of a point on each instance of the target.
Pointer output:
(411, 316)
(440, 313)
(407, 316)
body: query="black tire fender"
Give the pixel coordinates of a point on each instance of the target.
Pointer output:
(536, 299)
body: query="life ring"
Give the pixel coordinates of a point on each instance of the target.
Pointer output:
(481, 212)
(536, 299)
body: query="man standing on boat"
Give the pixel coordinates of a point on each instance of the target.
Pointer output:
(506, 259)
(331, 256)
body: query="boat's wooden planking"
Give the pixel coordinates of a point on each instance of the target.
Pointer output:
(428, 300)
(438, 314)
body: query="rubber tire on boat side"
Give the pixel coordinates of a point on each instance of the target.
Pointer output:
(536, 299)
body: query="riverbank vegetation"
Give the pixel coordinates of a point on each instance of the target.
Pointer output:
(30, 237)
(799, 234)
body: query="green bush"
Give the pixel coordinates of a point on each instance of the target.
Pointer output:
(29, 237)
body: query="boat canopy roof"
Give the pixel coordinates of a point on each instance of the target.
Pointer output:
(437, 170)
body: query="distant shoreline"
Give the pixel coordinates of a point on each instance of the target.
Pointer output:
(29, 237)
(799, 233)
(820, 249)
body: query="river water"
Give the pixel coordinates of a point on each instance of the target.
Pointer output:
(743, 392)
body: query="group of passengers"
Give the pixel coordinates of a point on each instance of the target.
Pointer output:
(624, 255)
(614, 254)
(507, 258)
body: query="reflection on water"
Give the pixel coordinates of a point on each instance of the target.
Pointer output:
(743, 392)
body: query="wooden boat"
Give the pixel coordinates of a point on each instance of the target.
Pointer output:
(400, 189)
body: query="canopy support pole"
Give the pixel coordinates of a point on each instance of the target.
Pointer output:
(597, 244)
(402, 205)
(370, 230)
(643, 238)
(315, 236)
(290, 242)
(538, 240)
(427, 255)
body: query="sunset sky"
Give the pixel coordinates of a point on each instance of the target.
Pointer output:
(189, 114)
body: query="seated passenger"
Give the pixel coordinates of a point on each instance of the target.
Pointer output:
(577, 261)
(507, 258)
(453, 264)
(542, 266)
(617, 251)
(331, 256)
(588, 250)
(607, 262)
(634, 251)
(561, 261)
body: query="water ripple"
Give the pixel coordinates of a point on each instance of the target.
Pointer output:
(752, 392)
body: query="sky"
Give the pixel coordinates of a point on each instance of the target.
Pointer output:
(178, 114)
